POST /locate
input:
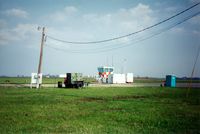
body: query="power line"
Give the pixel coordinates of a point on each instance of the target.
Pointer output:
(123, 36)
(129, 44)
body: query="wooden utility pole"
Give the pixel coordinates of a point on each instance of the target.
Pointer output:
(41, 54)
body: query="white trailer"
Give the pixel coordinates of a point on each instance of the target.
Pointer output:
(116, 78)
(129, 78)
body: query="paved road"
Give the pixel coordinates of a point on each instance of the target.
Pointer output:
(194, 85)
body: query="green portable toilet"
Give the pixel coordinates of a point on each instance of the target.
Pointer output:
(170, 81)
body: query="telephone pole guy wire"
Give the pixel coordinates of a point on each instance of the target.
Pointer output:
(193, 69)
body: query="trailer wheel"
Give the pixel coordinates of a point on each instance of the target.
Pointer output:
(59, 84)
(80, 85)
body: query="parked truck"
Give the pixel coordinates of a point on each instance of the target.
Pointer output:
(72, 80)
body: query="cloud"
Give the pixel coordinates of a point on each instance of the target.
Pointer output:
(141, 10)
(19, 33)
(64, 14)
(195, 20)
(171, 9)
(82, 26)
(3, 23)
(178, 30)
(23, 30)
(70, 10)
(94, 26)
(194, 1)
(195, 32)
(136, 17)
(16, 13)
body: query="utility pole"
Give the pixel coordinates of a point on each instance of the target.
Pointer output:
(40, 60)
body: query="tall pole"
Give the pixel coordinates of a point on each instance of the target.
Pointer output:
(41, 54)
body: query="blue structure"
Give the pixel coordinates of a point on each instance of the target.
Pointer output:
(170, 81)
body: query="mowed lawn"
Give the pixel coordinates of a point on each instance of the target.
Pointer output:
(99, 110)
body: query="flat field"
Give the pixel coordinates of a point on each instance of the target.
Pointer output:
(99, 110)
(27, 80)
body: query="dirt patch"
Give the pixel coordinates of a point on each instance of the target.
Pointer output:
(128, 97)
(101, 99)
(92, 99)
(112, 109)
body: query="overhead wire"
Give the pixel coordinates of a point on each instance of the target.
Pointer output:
(104, 49)
(123, 36)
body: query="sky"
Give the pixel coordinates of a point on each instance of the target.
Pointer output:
(156, 52)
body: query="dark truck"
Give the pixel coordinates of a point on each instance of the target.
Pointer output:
(72, 80)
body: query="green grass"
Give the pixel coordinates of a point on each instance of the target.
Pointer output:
(99, 110)
(27, 80)
(148, 80)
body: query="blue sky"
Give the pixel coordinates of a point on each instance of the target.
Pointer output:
(171, 52)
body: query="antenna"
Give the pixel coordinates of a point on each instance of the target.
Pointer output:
(112, 61)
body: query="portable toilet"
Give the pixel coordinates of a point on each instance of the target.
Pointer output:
(170, 81)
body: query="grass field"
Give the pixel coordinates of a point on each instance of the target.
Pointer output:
(27, 80)
(99, 110)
